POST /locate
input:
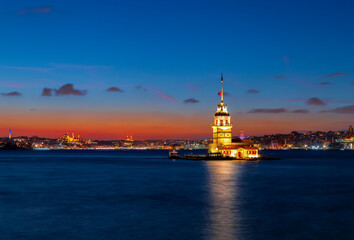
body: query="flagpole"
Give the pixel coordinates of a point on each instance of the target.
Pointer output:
(222, 89)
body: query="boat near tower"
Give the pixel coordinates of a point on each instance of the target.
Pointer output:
(223, 146)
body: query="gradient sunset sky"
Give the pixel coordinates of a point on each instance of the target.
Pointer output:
(151, 69)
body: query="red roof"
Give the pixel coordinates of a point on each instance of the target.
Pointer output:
(251, 148)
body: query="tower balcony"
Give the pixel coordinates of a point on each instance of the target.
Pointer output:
(224, 125)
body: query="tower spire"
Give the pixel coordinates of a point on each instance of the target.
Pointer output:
(222, 88)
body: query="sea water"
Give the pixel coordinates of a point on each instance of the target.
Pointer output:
(144, 195)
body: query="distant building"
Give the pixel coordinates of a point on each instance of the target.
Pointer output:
(242, 135)
(350, 132)
(348, 140)
(70, 139)
(222, 135)
(128, 141)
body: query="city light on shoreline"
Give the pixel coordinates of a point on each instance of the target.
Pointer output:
(152, 125)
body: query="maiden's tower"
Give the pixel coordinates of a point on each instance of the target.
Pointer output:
(223, 142)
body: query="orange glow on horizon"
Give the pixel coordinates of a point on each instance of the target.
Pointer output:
(151, 125)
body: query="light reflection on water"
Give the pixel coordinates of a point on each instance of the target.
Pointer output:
(224, 217)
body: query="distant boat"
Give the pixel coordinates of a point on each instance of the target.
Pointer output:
(173, 154)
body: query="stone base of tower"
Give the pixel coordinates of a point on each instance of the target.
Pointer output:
(234, 150)
(213, 148)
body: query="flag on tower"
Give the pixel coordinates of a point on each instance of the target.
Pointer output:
(219, 93)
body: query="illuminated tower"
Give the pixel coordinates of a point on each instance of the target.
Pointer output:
(10, 134)
(222, 126)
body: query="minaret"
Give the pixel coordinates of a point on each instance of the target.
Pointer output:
(10, 134)
(222, 126)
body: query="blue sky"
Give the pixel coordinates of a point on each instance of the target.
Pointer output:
(161, 53)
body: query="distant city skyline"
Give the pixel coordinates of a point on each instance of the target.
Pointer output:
(241, 135)
(151, 70)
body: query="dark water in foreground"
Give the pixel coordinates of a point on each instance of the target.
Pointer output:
(143, 195)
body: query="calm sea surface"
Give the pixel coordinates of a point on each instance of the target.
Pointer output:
(144, 195)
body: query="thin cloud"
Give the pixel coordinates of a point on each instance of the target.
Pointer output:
(11, 94)
(278, 110)
(336, 74)
(193, 87)
(344, 110)
(140, 87)
(253, 91)
(58, 66)
(279, 77)
(269, 99)
(34, 10)
(286, 59)
(114, 89)
(150, 103)
(14, 85)
(158, 92)
(315, 101)
(38, 69)
(164, 95)
(282, 100)
(325, 83)
(47, 92)
(302, 111)
(67, 89)
(268, 110)
(191, 100)
(307, 84)
(86, 67)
